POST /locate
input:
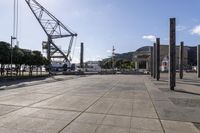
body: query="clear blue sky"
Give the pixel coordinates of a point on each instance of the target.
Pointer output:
(100, 24)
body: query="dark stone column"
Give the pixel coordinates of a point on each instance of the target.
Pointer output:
(158, 59)
(151, 62)
(172, 54)
(49, 55)
(49, 49)
(154, 60)
(181, 56)
(81, 56)
(198, 61)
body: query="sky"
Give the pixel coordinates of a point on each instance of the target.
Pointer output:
(100, 24)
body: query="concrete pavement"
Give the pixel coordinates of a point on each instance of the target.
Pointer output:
(93, 104)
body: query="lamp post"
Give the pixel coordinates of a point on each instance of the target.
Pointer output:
(11, 55)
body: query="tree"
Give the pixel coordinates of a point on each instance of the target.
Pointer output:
(21, 57)
(27, 59)
(126, 64)
(18, 55)
(37, 59)
(119, 64)
(46, 63)
(106, 64)
(4, 55)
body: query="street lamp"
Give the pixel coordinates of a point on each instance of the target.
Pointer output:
(11, 55)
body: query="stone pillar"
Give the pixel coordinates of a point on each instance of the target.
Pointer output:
(198, 61)
(181, 56)
(81, 55)
(172, 54)
(158, 59)
(151, 62)
(154, 60)
(136, 65)
(49, 49)
(147, 65)
(49, 55)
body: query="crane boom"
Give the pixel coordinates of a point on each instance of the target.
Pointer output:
(53, 28)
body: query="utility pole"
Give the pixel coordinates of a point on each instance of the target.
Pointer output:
(181, 55)
(11, 54)
(113, 58)
(172, 54)
(158, 59)
(198, 61)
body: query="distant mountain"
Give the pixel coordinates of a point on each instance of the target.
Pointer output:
(191, 54)
(124, 56)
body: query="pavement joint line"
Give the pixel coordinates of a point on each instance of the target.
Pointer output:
(11, 105)
(88, 107)
(46, 108)
(105, 125)
(154, 105)
(122, 115)
(10, 112)
(131, 118)
(106, 114)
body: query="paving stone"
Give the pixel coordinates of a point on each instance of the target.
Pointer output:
(67, 102)
(90, 118)
(121, 107)
(144, 112)
(80, 128)
(98, 104)
(8, 130)
(118, 121)
(39, 120)
(145, 124)
(46, 114)
(144, 131)
(102, 106)
(23, 99)
(112, 94)
(111, 129)
(33, 124)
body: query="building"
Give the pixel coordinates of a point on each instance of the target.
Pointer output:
(142, 57)
(92, 66)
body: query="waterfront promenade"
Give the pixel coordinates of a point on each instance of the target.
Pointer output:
(102, 104)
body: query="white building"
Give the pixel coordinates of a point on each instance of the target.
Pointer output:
(92, 66)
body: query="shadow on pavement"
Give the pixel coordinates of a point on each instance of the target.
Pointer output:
(187, 92)
(18, 82)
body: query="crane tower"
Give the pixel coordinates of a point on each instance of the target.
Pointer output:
(54, 30)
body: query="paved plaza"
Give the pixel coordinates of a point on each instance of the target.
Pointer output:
(102, 104)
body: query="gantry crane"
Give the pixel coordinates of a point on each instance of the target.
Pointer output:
(54, 29)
